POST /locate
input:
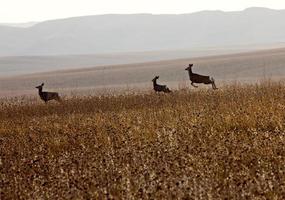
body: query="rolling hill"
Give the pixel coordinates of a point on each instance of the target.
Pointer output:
(239, 67)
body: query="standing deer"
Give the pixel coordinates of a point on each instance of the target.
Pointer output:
(47, 96)
(197, 78)
(159, 88)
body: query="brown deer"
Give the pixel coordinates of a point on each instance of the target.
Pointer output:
(47, 96)
(197, 78)
(159, 88)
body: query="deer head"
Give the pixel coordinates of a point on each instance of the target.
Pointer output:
(40, 86)
(155, 78)
(190, 67)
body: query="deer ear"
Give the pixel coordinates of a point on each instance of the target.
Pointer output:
(42, 84)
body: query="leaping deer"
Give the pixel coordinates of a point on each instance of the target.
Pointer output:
(159, 88)
(197, 78)
(47, 96)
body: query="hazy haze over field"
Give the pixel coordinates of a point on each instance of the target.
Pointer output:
(242, 67)
(19, 65)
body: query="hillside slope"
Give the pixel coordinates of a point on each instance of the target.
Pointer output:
(242, 67)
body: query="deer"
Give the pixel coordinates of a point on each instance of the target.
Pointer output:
(159, 88)
(197, 78)
(47, 96)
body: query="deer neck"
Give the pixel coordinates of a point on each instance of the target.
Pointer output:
(154, 83)
(40, 91)
(190, 72)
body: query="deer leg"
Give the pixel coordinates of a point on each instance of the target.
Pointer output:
(194, 85)
(214, 85)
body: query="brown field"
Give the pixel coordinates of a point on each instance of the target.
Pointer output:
(203, 144)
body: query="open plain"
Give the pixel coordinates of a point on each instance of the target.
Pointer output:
(114, 138)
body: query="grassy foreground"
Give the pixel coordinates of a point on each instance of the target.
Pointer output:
(201, 144)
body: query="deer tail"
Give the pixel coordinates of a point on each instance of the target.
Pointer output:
(167, 90)
(58, 99)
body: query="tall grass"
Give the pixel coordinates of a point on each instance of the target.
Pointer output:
(202, 144)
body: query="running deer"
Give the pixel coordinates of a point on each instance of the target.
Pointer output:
(47, 96)
(159, 88)
(197, 78)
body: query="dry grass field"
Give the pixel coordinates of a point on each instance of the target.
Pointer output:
(191, 144)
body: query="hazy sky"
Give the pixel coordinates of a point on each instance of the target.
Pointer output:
(38, 10)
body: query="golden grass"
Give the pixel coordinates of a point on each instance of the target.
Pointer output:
(201, 144)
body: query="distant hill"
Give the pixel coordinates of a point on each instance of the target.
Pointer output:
(144, 32)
